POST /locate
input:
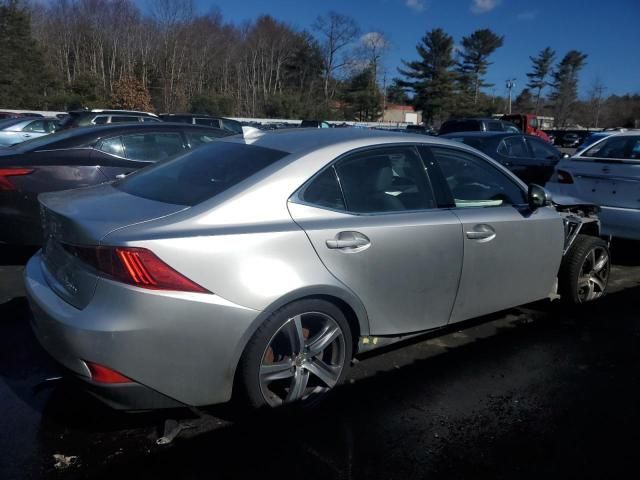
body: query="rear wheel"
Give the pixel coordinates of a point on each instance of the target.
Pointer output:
(298, 355)
(585, 269)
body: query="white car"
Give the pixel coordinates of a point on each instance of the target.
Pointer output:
(608, 174)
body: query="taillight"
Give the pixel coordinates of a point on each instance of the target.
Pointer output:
(102, 374)
(5, 173)
(135, 266)
(564, 177)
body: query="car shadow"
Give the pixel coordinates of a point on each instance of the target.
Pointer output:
(625, 252)
(433, 413)
(15, 255)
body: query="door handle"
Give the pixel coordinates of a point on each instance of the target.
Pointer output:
(355, 241)
(482, 232)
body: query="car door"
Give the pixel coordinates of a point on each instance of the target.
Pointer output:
(511, 254)
(373, 221)
(608, 173)
(34, 129)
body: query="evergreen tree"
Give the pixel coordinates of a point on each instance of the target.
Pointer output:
(22, 72)
(362, 99)
(431, 78)
(474, 61)
(564, 87)
(396, 93)
(541, 69)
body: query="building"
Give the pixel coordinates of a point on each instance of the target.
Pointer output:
(401, 114)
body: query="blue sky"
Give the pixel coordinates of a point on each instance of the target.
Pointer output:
(608, 31)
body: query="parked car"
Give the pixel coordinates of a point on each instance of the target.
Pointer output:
(570, 139)
(85, 118)
(594, 137)
(217, 122)
(477, 125)
(530, 158)
(78, 158)
(314, 124)
(606, 173)
(246, 267)
(420, 129)
(17, 130)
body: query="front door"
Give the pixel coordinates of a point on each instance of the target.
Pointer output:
(378, 231)
(511, 254)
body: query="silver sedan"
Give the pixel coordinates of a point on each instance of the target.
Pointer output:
(261, 266)
(18, 130)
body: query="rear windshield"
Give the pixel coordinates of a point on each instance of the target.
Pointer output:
(201, 174)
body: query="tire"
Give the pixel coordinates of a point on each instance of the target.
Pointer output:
(298, 355)
(584, 271)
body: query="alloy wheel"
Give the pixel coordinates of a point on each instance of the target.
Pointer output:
(594, 274)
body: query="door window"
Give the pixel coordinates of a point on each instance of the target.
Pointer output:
(384, 180)
(542, 149)
(209, 122)
(324, 191)
(200, 138)
(494, 126)
(123, 119)
(152, 147)
(513, 147)
(112, 146)
(624, 147)
(474, 182)
(101, 120)
(36, 127)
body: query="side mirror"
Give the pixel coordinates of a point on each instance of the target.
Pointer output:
(538, 197)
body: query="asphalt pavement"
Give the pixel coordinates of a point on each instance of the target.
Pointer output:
(543, 391)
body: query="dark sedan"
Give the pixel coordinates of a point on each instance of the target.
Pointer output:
(79, 158)
(529, 157)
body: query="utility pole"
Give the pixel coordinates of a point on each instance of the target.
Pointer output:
(511, 84)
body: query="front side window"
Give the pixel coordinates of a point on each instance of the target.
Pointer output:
(474, 182)
(112, 146)
(624, 147)
(324, 191)
(201, 174)
(37, 126)
(495, 127)
(101, 120)
(384, 180)
(152, 147)
(542, 149)
(513, 147)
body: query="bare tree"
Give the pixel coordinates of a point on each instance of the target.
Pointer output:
(336, 32)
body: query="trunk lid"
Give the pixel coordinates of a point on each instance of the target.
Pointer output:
(84, 217)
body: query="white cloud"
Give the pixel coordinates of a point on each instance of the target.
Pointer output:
(528, 15)
(483, 6)
(373, 39)
(415, 5)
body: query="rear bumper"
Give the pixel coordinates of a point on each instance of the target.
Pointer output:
(178, 348)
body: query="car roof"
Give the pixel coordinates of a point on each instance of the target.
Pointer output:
(111, 112)
(301, 140)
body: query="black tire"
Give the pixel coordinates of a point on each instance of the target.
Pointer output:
(273, 339)
(576, 267)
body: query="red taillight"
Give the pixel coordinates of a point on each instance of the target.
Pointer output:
(102, 374)
(564, 177)
(5, 173)
(135, 266)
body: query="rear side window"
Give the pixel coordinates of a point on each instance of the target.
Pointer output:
(625, 147)
(380, 180)
(201, 174)
(513, 147)
(209, 122)
(123, 119)
(495, 127)
(112, 146)
(152, 147)
(324, 191)
(37, 126)
(101, 120)
(200, 138)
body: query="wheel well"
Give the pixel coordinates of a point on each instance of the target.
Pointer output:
(590, 228)
(349, 313)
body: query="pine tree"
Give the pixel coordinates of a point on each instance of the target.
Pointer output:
(474, 61)
(541, 69)
(22, 71)
(431, 78)
(564, 86)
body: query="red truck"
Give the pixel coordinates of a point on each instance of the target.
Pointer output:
(527, 123)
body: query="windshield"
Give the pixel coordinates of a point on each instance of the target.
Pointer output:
(201, 174)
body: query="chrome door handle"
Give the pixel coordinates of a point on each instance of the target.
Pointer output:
(349, 241)
(482, 232)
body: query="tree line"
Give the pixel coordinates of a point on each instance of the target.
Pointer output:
(66, 54)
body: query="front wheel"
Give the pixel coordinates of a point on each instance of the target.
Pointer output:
(584, 272)
(298, 355)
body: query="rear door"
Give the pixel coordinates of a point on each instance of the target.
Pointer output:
(373, 221)
(608, 173)
(511, 254)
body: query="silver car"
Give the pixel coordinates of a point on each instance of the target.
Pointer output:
(261, 266)
(17, 130)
